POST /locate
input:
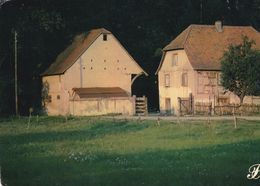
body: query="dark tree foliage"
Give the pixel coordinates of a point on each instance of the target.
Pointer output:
(46, 27)
(240, 68)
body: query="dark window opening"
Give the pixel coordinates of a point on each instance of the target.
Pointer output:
(48, 99)
(58, 97)
(104, 37)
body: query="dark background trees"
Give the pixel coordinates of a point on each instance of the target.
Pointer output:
(46, 27)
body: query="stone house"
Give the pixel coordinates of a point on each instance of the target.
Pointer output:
(190, 66)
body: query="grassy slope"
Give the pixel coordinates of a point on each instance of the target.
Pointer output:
(91, 151)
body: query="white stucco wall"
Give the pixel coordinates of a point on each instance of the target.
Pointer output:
(104, 64)
(102, 106)
(176, 89)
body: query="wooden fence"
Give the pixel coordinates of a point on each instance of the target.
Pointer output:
(141, 106)
(244, 109)
(186, 106)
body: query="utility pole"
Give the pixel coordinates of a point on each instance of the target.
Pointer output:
(201, 11)
(15, 73)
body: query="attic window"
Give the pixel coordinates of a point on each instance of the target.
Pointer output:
(174, 59)
(104, 37)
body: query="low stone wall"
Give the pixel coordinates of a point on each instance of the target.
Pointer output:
(103, 106)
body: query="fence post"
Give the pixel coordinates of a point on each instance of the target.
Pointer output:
(210, 108)
(191, 103)
(158, 121)
(134, 104)
(146, 105)
(235, 118)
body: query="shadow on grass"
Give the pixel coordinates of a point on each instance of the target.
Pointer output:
(97, 130)
(216, 166)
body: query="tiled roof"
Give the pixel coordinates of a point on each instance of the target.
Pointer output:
(69, 56)
(205, 46)
(100, 92)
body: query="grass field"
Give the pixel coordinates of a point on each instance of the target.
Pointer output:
(96, 151)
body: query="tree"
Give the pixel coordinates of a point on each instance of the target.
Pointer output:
(240, 67)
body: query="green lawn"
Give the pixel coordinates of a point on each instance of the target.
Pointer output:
(96, 151)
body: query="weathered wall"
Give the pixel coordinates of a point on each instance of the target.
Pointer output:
(204, 85)
(209, 89)
(102, 106)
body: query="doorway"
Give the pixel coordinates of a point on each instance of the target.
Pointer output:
(168, 105)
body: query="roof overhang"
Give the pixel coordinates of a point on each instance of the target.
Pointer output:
(100, 92)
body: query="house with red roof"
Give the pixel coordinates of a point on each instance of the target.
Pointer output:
(93, 76)
(190, 66)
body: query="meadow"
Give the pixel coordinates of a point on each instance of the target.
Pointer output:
(96, 151)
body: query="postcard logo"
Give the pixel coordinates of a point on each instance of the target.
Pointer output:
(254, 172)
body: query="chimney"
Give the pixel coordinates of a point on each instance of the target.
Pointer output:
(219, 26)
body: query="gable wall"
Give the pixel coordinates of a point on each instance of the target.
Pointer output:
(176, 89)
(104, 64)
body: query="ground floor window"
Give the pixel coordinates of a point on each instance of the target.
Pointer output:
(167, 80)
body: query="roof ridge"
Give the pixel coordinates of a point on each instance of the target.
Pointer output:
(102, 30)
(187, 36)
(233, 26)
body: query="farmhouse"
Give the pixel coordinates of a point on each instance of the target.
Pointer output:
(189, 71)
(93, 76)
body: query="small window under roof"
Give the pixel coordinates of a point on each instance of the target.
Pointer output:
(104, 37)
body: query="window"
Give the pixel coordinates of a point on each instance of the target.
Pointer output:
(104, 37)
(58, 97)
(167, 80)
(184, 80)
(174, 59)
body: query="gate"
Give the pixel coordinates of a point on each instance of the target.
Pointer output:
(141, 106)
(186, 105)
